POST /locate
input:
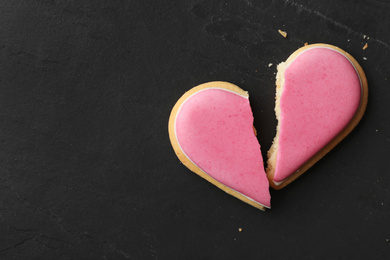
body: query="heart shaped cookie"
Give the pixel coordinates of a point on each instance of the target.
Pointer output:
(321, 95)
(211, 131)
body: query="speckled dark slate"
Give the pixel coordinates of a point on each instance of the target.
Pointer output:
(86, 167)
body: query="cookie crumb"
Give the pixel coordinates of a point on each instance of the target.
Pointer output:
(365, 46)
(269, 65)
(283, 33)
(306, 43)
(240, 229)
(364, 58)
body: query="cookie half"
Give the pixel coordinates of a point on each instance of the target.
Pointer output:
(211, 131)
(321, 95)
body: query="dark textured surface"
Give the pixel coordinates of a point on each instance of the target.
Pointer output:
(86, 167)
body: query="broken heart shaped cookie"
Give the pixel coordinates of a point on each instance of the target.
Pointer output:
(211, 131)
(321, 95)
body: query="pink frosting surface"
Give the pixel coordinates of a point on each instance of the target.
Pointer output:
(320, 96)
(214, 128)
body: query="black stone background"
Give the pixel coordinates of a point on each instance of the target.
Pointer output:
(86, 167)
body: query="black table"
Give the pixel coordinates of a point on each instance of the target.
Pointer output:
(86, 167)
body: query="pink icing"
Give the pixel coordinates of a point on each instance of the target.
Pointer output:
(214, 128)
(321, 94)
